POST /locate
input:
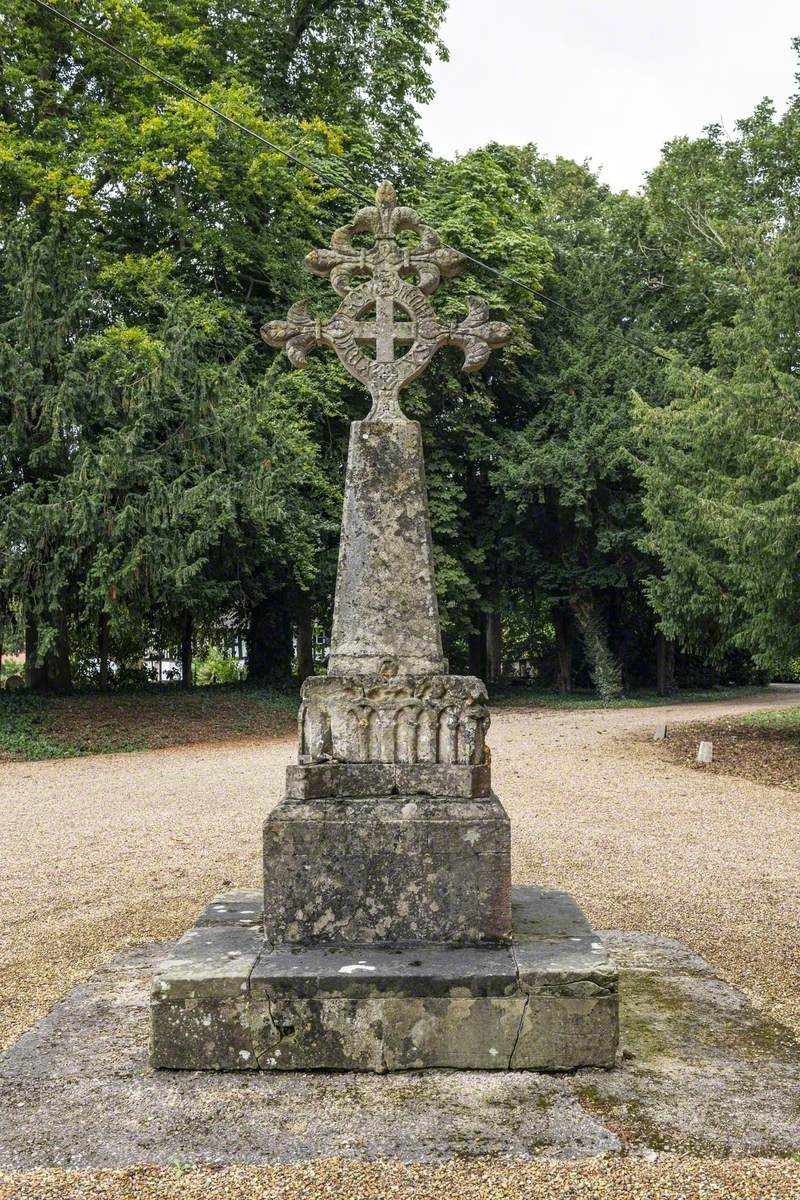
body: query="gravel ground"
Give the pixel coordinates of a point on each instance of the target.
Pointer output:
(98, 853)
(670, 1178)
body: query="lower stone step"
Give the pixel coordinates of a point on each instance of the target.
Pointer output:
(226, 1000)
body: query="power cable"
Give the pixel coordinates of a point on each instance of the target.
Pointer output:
(322, 175)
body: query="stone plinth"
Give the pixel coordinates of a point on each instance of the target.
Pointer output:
(358, 780)
(397, 870)
(226, 1000)
(385, 613)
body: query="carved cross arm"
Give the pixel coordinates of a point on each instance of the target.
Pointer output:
(477, 335)
(297, 334)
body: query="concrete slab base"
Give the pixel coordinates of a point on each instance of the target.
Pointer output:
(226, 1000)
(701, 1072)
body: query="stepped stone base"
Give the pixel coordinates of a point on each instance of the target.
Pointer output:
(227, 1000)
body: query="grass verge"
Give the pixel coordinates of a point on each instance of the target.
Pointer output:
(151, 718)
(38, 727)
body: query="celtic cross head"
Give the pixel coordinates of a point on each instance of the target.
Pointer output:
(385, 330)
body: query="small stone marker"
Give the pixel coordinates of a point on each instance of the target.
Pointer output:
(660, 732)
(15, 683)
(705, 753)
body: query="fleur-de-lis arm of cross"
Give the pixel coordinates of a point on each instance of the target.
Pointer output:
(477, 336)
(298, 334)
(301, 332)
(347, 263)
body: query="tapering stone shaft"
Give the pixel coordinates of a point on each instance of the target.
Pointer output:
(386, 619)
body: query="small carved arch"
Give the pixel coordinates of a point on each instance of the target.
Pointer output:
(302, 750)
(365, 717)
(318, 731)
(428, 735)
(472, 730)
(448, 735)
(406, 733)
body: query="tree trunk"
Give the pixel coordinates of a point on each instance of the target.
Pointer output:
(187, 633)
(54, 673)
(494, 647)
(35, 672)
(605, 669)
(305, 641)
(477, 648)
(102, 648)
(269, 641)
(564, 626)
(665, 665)
(59, 669)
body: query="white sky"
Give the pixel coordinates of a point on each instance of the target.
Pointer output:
(607, 80)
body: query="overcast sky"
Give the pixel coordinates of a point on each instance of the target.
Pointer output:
(607, 80)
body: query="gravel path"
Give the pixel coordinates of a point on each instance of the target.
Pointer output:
(100, 852)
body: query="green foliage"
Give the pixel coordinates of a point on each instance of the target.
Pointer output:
(720, 463)
(785, 721)
(215, 667)
(149, 469)
(159, 468)
(488, 205)
(572, 500)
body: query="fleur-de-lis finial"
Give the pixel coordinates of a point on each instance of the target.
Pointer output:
(373, 286)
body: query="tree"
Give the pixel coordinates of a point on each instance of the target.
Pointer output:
(722, 496)
(173, 236)
(720, 462)
(565, 474)
(488, 205)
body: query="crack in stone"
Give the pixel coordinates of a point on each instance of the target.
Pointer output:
(519, 1031)
(524, 1007)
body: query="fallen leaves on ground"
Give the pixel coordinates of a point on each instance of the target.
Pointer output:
(741, 748)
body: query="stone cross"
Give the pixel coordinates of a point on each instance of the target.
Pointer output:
(387, 940)
(373, 286)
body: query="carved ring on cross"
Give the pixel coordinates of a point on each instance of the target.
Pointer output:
(384, 312)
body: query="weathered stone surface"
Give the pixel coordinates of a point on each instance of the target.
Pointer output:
(546, 913)
(362, 972)
(404, 719)
(560, 1032)
(199, 1005)
(554, 947)
(328, 1035)
(444, 779)
(393, 1033)
(239, 906)
(399, 869)
(314, 781)
(385, 616)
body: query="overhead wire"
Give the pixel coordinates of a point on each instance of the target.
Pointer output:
(324, 176)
